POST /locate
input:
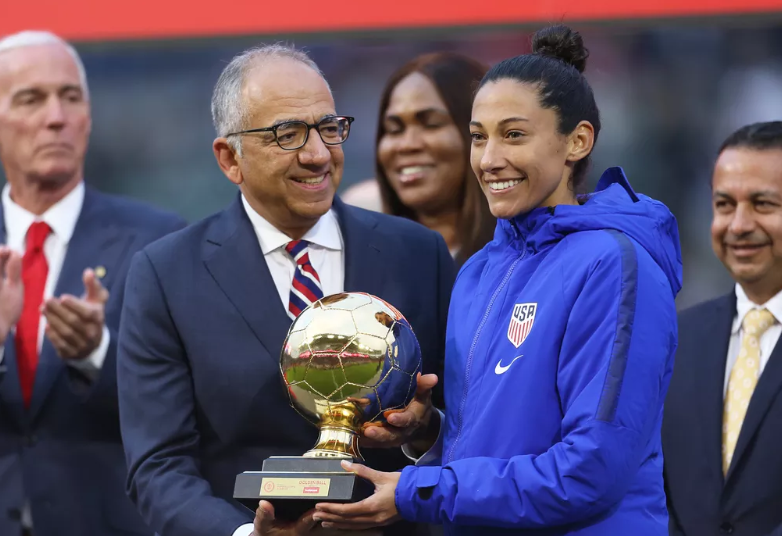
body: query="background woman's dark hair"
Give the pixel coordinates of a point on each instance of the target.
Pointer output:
(556, 65)
(456, 79)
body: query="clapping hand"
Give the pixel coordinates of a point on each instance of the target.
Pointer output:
(75, 325)
(11, 291)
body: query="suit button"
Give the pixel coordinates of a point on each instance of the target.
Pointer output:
(726, 528)
(14, 514)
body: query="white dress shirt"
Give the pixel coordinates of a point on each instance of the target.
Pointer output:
(326, 252)
(767, 341)
(61, 218)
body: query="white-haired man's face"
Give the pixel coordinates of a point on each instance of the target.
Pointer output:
(44, 115)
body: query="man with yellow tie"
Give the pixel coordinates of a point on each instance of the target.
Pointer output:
(722, 428)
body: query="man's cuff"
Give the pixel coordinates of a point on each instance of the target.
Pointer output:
(93, 363)
(434, 454)
(244, 530)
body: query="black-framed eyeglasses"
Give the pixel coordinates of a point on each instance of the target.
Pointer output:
(292, 135)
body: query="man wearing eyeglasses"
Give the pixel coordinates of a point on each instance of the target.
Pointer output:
(207, 310)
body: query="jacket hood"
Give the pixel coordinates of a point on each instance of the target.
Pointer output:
(613, 205)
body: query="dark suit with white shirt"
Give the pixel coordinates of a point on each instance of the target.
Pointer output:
(61, 457)
(201, 398)
(747, 501)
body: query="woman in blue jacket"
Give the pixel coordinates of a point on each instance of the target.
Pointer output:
(561, 333)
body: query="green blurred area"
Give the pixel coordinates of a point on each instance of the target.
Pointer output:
(326, 381)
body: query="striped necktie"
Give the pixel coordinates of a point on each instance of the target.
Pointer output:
(305, 289)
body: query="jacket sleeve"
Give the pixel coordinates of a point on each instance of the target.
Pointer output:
(614, 366)
(158, 418)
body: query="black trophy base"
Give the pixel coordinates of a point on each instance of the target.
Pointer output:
(294, 484)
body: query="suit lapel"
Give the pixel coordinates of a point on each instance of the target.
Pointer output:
(363, 262)
(96, 241)
(235, 261)
(769, 384)
(715, 340)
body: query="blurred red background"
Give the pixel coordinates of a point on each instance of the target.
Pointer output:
(144, 19)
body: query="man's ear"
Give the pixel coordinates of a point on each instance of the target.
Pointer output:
(227, 159)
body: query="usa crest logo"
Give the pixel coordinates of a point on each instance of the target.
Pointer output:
(521, 322)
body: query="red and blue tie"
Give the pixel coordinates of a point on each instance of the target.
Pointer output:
(306, 288)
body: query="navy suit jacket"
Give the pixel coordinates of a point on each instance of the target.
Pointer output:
(748, 501)
(201, 398)
(64, 453)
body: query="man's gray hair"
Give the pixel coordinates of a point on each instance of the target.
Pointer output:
(32, 38)
(229, 111)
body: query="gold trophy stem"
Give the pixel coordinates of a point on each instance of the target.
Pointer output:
(339, 429)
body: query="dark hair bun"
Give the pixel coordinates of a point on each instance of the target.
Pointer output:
(562, 43)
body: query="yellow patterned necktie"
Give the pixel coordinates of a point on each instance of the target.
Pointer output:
(743, 379)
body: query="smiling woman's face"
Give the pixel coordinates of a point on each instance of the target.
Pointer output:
(518, 153)
(421, 150)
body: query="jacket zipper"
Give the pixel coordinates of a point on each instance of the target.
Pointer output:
(472, 351)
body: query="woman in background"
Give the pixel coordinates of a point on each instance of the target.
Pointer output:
(423, 150)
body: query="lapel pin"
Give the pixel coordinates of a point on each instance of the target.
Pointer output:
(100, 272)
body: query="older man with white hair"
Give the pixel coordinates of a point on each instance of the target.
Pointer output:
(207, 309)
(64, 254)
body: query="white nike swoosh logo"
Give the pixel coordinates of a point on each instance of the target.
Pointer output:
(499, 369)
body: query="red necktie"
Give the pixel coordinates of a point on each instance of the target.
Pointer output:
(34, 273)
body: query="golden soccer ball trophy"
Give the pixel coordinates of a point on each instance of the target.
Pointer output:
(347, 360)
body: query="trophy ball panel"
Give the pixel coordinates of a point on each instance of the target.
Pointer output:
(346, 301)
(304, 319)
(325, 378)
(396, 390)
(353, 348)
(305, 400)
(371, 320)
(403, 348)
(296, 349)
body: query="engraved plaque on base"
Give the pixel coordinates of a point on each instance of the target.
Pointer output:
(347, 360)
(294, 484)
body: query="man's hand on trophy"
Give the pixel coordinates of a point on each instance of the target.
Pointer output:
(417, 425)
(266, 525)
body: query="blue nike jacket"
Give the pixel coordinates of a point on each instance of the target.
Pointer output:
(560, 346)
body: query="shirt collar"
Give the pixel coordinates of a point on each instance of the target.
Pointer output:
(61, 217)
(325, 233)
(745, 305)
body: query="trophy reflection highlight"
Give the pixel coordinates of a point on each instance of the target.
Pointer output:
(347, 359)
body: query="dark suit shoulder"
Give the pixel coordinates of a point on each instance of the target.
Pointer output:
(700, 328)
(696, 314)
(186, 239)
(393, 225)
(133, 213)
